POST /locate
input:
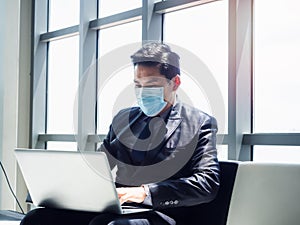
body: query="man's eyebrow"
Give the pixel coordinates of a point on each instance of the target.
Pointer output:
(151, 80)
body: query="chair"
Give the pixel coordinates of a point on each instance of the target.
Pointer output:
(266, 194)
(214, 212)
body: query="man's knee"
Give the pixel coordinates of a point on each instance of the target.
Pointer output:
(130, 222)
(32, 217)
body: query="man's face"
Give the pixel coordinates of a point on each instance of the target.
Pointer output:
(145, 76)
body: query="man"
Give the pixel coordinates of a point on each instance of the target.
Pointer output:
(164, 150)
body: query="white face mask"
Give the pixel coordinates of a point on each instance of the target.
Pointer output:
(151, 100)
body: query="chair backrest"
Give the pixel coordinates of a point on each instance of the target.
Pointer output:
(214, 212)
(266, 193)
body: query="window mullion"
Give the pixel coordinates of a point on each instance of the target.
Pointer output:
(87, 75)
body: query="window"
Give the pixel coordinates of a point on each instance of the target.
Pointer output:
(222, 152)
(120, 80)
(276, 61)
(110, 7)
(278, 154)
(206, 36)
(200, 34)
(63, 13)
(62, 85)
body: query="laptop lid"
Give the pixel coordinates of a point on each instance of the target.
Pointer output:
(69, 180)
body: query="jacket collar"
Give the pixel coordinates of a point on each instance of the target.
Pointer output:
(174, 119)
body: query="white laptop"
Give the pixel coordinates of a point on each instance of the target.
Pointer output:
(70, 180)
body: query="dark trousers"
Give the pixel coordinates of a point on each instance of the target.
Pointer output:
(47, 216)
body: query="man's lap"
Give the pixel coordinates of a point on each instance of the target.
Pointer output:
(47, 216)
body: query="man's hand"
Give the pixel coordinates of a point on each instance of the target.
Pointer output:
(131, 194)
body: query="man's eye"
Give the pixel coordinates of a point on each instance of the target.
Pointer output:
(153, 86)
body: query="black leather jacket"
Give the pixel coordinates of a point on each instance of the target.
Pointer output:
(179, 165)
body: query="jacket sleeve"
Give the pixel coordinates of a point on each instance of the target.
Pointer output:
(202, 183)
(105, 147)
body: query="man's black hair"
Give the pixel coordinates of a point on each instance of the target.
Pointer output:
(158, 54)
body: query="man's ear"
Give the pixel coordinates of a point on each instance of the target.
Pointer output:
(176, 81)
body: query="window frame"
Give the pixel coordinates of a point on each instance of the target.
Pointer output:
(240, 138)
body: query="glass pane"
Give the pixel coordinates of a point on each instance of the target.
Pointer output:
(203, 31)
(110, 38)
(65, 146)
(120, 80)
(62, 85)
(277, 70)
(286, 154)
(222, 152)
(63, 13)
(110, 7)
